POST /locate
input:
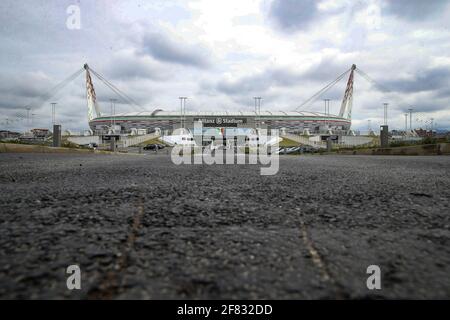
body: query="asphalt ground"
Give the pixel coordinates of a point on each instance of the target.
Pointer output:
(141, 227)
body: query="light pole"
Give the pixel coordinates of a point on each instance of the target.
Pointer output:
(113, 113)
(257, 109)
(6, 127)
(385, 113)
(53, 113)
(256, 113)
(327, 110)
(28, 117)
(406, 122)
(410, 118)
(182, 110)
(32, 115)
(327, 106)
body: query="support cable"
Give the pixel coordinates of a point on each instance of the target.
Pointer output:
(323, 90)
(372, 81)
(40, 100)
(50, 93)
(116, 90)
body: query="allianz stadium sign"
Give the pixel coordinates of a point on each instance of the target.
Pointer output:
(221, 122)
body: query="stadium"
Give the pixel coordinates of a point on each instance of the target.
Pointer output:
(168, 121)
(292, 121)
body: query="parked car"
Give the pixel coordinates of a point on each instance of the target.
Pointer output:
(150, 147)
(154, 146)
(308, 149)
(89, 145)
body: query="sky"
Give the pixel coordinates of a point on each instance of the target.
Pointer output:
(221, 54)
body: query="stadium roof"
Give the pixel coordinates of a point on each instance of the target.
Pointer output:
(159, 112)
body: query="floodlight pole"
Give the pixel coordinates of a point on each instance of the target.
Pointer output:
(410, 118)
(28, 117)
(182, 110)
(327, 109)
(114, 111)
(385, 113)
(53, 113)
(257, 110)
(406, 122)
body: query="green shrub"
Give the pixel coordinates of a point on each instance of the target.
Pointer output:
(68, 144)
(429, 140)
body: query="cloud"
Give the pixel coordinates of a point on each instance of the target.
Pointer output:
(258, 82)
(327, 69)
(127, 65)
(293, 15)
(140, 47)
(415, 10)
(162, 48)
(28, 85)
(322, 72)
(283, 88)
(20, 91)
(427, 80)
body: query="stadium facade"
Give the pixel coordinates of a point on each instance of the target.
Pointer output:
(292, 121)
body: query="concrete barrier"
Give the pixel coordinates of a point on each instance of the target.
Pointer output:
(84, 139)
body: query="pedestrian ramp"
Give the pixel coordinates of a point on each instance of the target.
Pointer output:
(135, 140)
(304, 140)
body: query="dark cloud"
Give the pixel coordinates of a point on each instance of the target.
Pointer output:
(293, 15)
(415, 9)
(326, 70)
(17, 91)
(434, 81)
(323, 72)
(444, 92)
(140, 56)
(29, 86)
(428, 106)
(130, 66)
(427, 80)
(164, 49)
(273, 77)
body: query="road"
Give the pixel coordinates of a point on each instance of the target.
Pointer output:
(141, 227)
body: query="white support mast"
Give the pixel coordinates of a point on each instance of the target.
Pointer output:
(91, 96)
(347, 101)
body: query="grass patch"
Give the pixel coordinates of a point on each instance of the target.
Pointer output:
(152, 141)
(69, 144)
(31, 142)
(286, 143)
(427, 140)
